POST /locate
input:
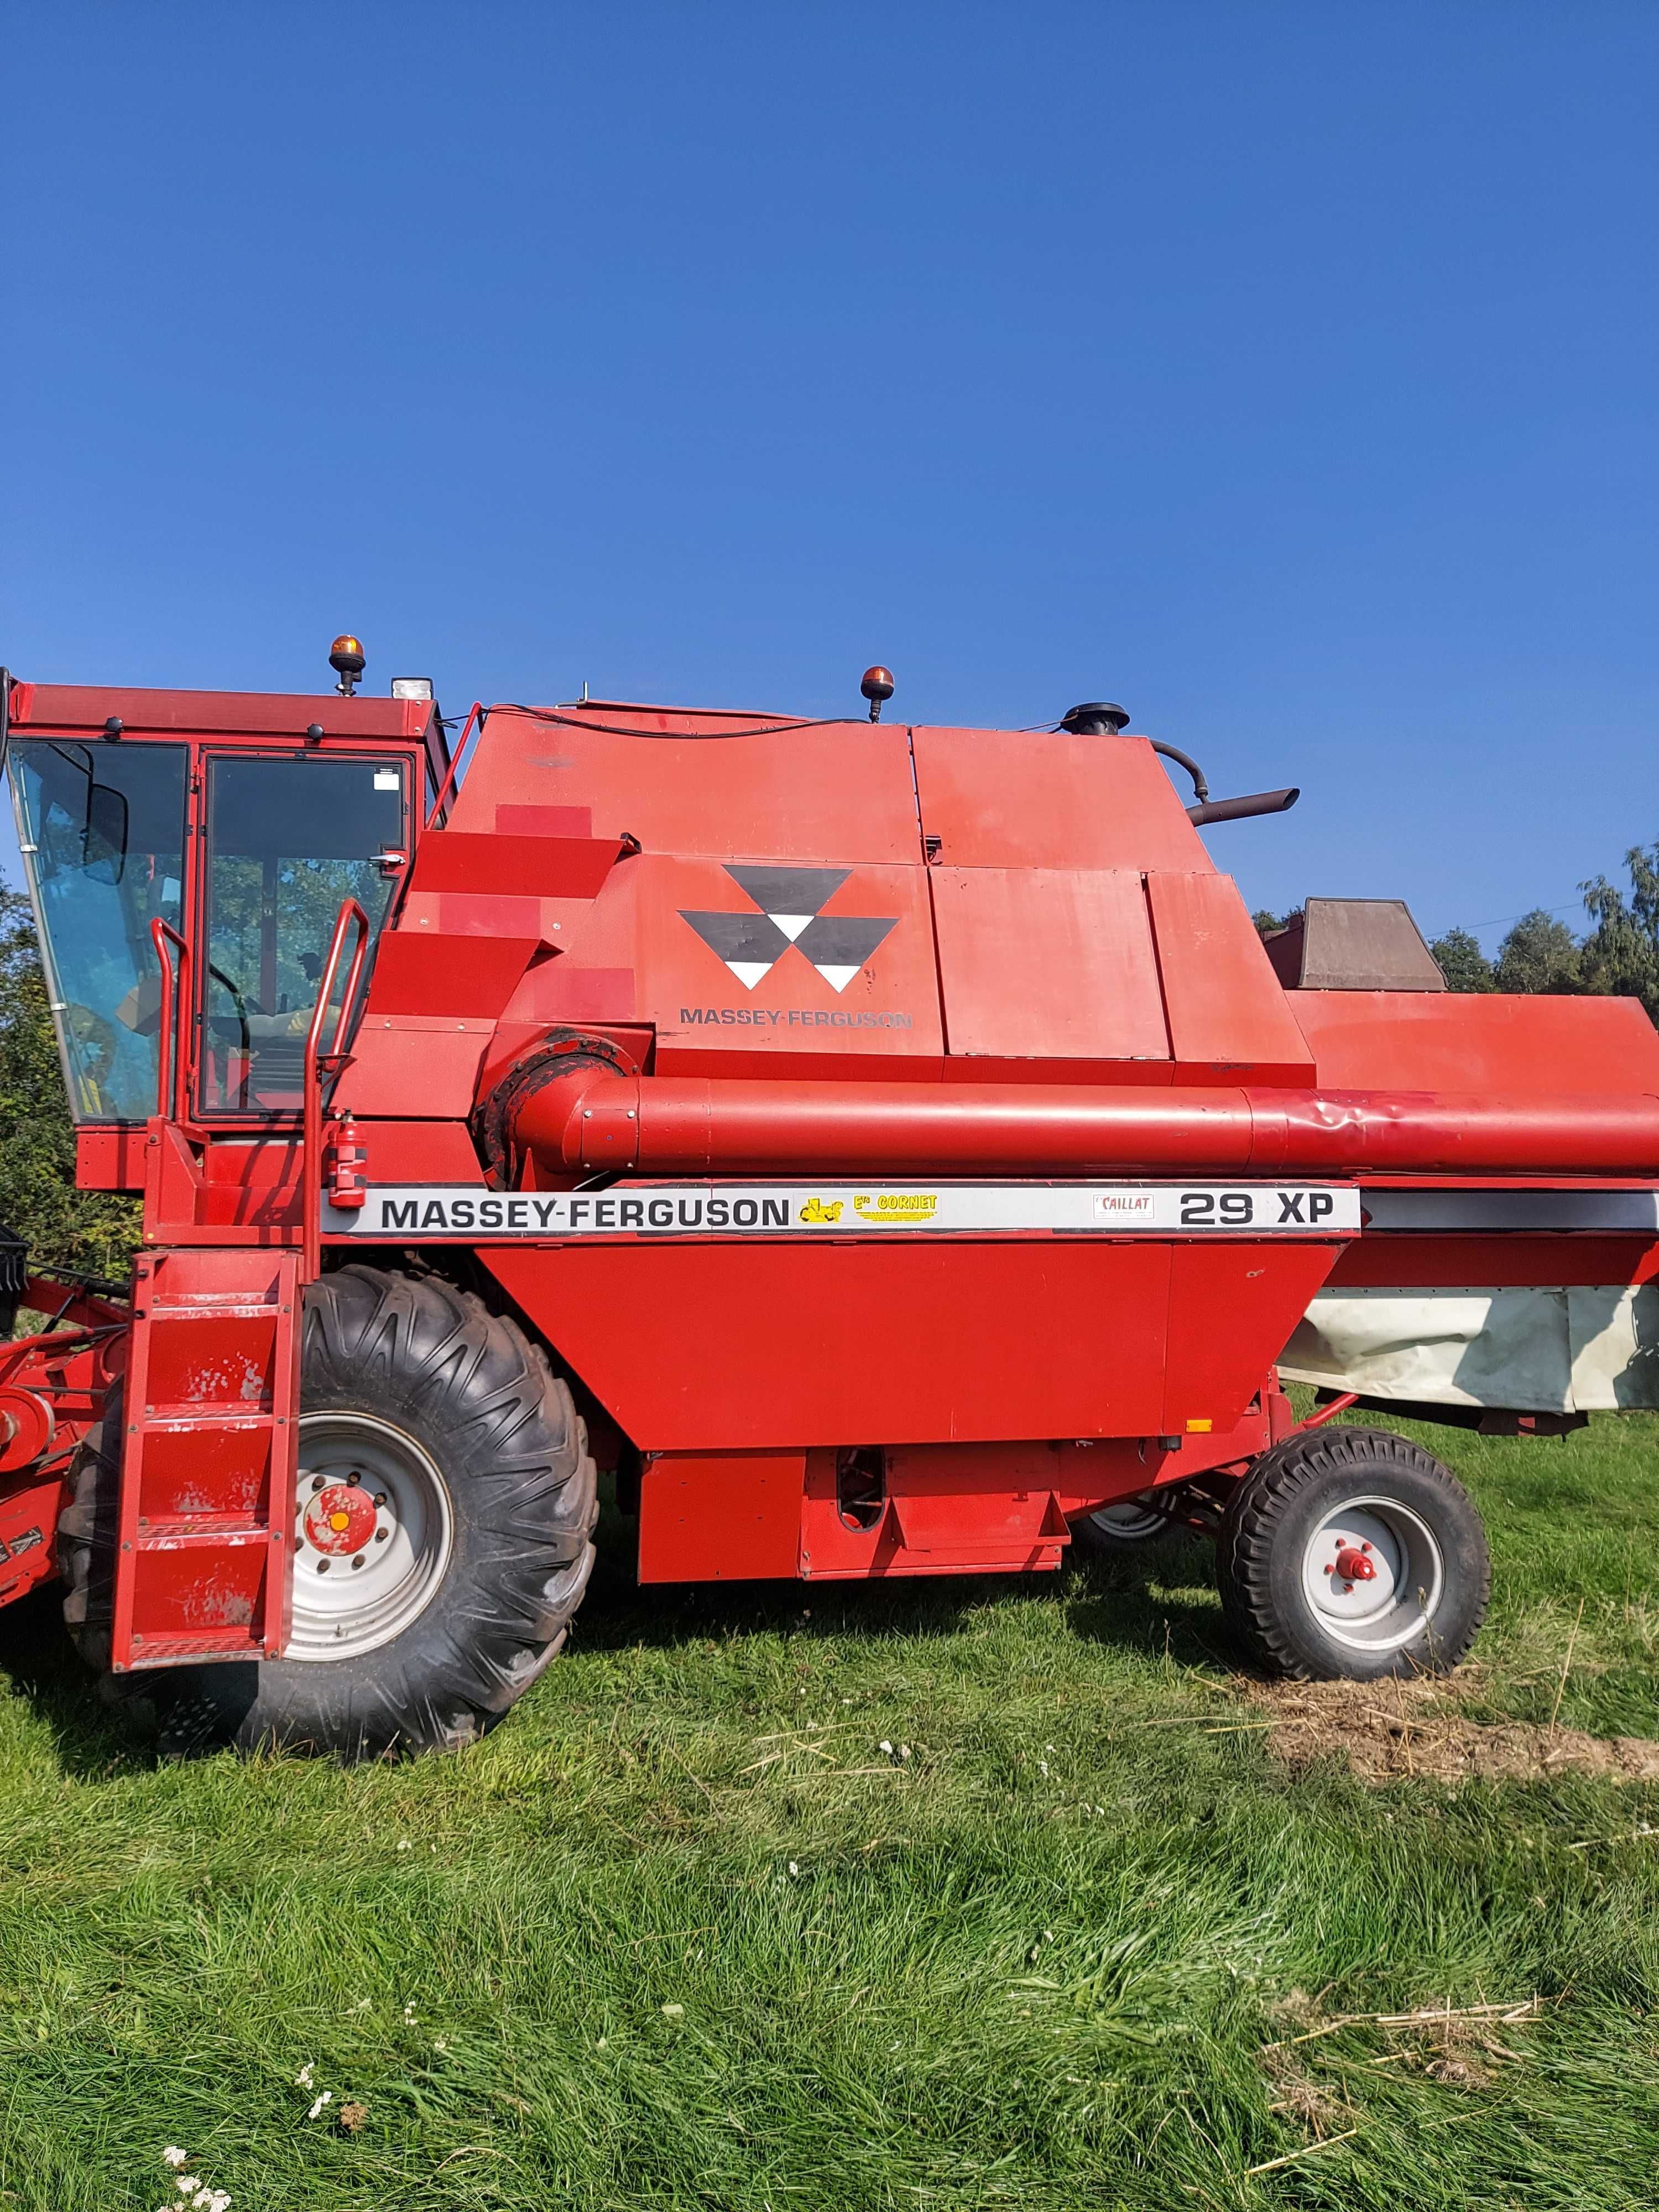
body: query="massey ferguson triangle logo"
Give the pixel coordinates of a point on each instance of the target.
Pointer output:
(789, 905)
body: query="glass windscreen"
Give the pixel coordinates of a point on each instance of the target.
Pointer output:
(287, 841)
(102, 830)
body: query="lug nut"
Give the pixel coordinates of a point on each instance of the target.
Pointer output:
(318, 1480)
(322, 1566)
(380, 1535)
(357, 1562)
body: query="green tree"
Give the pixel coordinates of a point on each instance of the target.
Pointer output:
(1462, 962)
(1266, 923)
(94, 1230)
(1622, 953)
(1541, 954)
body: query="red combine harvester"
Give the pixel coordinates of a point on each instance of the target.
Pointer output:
(891, 1150)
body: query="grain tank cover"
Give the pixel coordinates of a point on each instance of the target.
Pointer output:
(796, 897)
(1354, 945)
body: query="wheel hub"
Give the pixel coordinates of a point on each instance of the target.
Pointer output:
(338, 1520)
(371, 1535)
(1372, 1573)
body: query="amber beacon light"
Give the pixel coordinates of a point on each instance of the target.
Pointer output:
(348, 660)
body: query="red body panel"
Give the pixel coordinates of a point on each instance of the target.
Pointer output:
(766, 1344)
(1005, 799)
(839, 796)
(1083, 943)
(1413, 1041)
(944, 1508)
(236, 715)
(793, 1012)
(729, 1517)
(1228, 1019)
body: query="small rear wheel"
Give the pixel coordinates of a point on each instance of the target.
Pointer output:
(1349, 1552)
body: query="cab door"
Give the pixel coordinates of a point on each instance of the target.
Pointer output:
(288, 838)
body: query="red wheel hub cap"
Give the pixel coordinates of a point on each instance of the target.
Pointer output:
(339, 1520)
(1354, 1566)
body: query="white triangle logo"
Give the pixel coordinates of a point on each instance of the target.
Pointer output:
(791, 924)
(749, 972)
(836, 978)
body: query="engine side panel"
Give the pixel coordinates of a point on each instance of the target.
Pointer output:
(775, 1344)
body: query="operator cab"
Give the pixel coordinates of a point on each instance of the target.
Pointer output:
(246, 845)
(286, 846)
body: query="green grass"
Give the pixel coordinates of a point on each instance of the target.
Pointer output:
(1035, 1962)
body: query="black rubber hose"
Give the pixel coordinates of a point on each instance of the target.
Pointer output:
(1200, 786)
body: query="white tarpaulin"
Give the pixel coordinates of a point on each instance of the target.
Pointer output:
(1581, 1350)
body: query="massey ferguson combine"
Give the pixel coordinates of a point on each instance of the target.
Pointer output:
(889, 1150)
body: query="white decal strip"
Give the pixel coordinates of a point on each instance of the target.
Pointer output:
(416, 1213)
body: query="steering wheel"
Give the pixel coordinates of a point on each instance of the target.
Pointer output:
(240, 1003)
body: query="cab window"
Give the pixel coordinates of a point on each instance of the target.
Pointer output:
(287, 841)
(101, 826)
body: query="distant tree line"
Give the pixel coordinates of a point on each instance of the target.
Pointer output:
(1616, 956)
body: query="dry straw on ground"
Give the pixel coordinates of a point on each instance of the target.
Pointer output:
(1392, 1729)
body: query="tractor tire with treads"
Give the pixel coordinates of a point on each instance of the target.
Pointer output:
(1350, 1553)
(444, 1535)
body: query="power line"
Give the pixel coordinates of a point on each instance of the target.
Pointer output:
(1572, 907)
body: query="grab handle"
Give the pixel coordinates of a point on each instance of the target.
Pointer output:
(311, 1161)
(172, 1069)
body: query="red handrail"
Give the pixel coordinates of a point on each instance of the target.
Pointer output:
(311, 1159)
(173, 1070)
(454, 767)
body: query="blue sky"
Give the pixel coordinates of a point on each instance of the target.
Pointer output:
(1287, 373)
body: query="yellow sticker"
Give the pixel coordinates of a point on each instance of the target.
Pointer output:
(902, 1205)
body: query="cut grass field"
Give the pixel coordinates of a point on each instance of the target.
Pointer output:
(936, 1895)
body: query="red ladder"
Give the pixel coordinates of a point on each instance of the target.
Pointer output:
(207, 1458)
(210, 1420)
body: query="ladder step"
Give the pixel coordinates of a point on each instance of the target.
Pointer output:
(178, 1650)
(206, 1413)
(196, 1535)
(207, 1309)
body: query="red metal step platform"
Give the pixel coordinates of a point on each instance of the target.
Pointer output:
(208, 1454)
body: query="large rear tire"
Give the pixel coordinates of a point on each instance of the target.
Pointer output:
(443, 1536)
(1350, 1553)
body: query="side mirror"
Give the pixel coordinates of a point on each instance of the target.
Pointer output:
(104, 839)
